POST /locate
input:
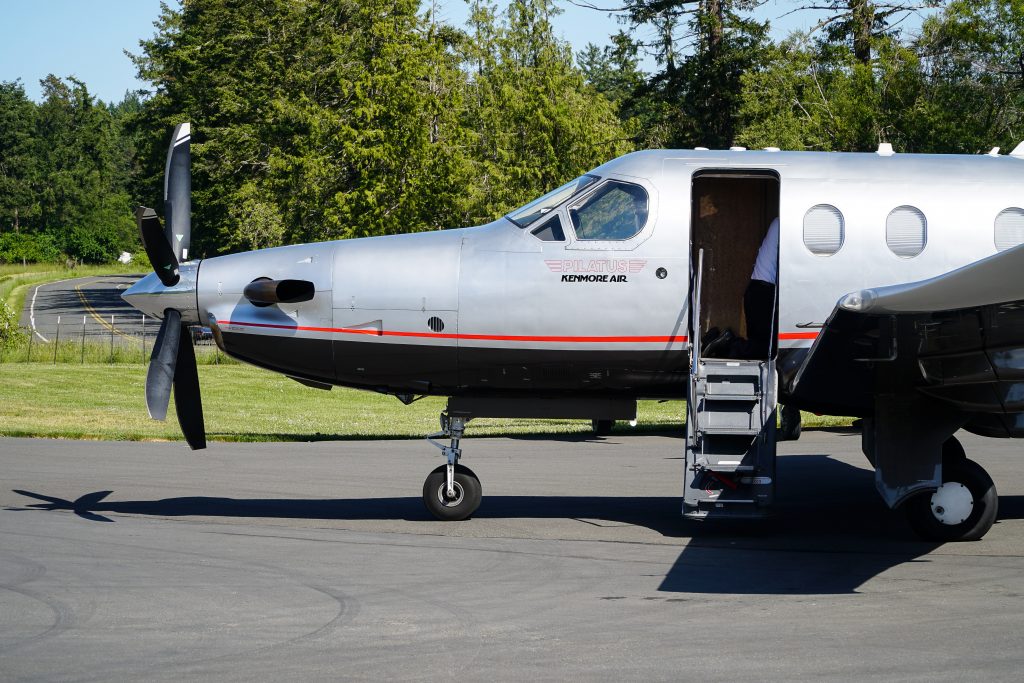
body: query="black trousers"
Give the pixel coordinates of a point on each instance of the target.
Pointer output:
(762, 323)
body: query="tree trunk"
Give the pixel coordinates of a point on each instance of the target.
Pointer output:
(715, 17)
(862, 20)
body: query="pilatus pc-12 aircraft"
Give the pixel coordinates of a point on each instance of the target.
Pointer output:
(900, 300)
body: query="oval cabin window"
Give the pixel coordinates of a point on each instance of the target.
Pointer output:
(1009, 229)
(906, 231)
(824, 230)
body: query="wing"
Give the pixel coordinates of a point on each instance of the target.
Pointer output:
(957, 339)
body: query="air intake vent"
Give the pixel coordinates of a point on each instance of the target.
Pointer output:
(824, 230)
(1009, 229)
(263, 291)
(435, 324)
(906, 231)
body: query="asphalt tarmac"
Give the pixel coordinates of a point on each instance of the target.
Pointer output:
(92, 305)
(316, 561)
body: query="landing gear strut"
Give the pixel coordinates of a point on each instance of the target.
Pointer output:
(452, 491)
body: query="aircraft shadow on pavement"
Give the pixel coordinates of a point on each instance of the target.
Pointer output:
(830, 532)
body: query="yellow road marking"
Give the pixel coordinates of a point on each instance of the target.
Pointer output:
(97, 317)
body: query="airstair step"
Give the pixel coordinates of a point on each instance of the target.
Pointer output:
(749, 398)
(735, 367)
(729, 468)
(713, 388)
(726, 469)
(734, 501)
(728, 431)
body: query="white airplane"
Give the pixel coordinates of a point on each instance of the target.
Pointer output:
(597, 294)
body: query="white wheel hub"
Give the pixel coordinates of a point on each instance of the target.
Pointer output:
(952, 503)
(443, 499)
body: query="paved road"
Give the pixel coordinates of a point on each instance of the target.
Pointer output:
(121, 561)
(93, 300)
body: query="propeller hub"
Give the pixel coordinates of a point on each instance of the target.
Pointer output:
(152, 297)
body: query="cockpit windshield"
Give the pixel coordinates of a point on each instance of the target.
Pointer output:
(525, 215)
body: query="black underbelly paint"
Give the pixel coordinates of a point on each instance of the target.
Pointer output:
(447, 370)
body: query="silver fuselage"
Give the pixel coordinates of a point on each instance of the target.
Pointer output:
(491, 309)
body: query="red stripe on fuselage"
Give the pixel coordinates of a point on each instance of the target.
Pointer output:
(442, 335)
(654, 339)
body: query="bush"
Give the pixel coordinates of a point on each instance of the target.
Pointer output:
(31, 247)
(101, 237)
(87, 246)
(10, 334)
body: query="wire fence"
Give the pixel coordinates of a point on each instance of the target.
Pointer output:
(94, 339)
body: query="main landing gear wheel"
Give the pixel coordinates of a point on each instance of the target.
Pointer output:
(964, 508)
(789, 425)
(467, 493)
(602, 427)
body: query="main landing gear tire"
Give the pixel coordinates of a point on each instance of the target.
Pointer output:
(602, 427)
(964, 508)
(468, 493)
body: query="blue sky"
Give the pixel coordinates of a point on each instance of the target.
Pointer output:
(87, 38)
(83, 38)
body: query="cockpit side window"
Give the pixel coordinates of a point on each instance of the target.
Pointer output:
(550, 230)
(616, 211)
(525, 215)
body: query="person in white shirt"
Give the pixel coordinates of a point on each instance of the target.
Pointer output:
(759, 299)
(758, 307)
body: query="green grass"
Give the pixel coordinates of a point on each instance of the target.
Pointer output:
(71, 350)
(7, 269)
(13, 279)
(242, 403)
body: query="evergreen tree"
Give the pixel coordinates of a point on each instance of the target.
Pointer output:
(534, 122)
(315, 120)
(374, 145)
(957, 88)
(18, 167)
(344, 119)
(702, 49)
(614, 70)
(807, 96)
(857, 25)
(81, 187)
(973, 63)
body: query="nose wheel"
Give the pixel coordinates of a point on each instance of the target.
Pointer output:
(452, 492)
(456, 504)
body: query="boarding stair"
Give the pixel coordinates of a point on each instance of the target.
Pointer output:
(730, 431)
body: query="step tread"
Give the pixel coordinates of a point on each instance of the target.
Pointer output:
(728, 431)
(752, 398)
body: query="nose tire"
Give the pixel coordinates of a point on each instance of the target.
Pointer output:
(468, 494)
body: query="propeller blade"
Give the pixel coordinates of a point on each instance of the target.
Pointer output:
(157, 248)
(178, 191)
(187, 401)
(162, 364)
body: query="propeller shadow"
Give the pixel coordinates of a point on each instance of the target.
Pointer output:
(82, 506)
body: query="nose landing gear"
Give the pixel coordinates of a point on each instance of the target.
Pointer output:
(452, 492)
